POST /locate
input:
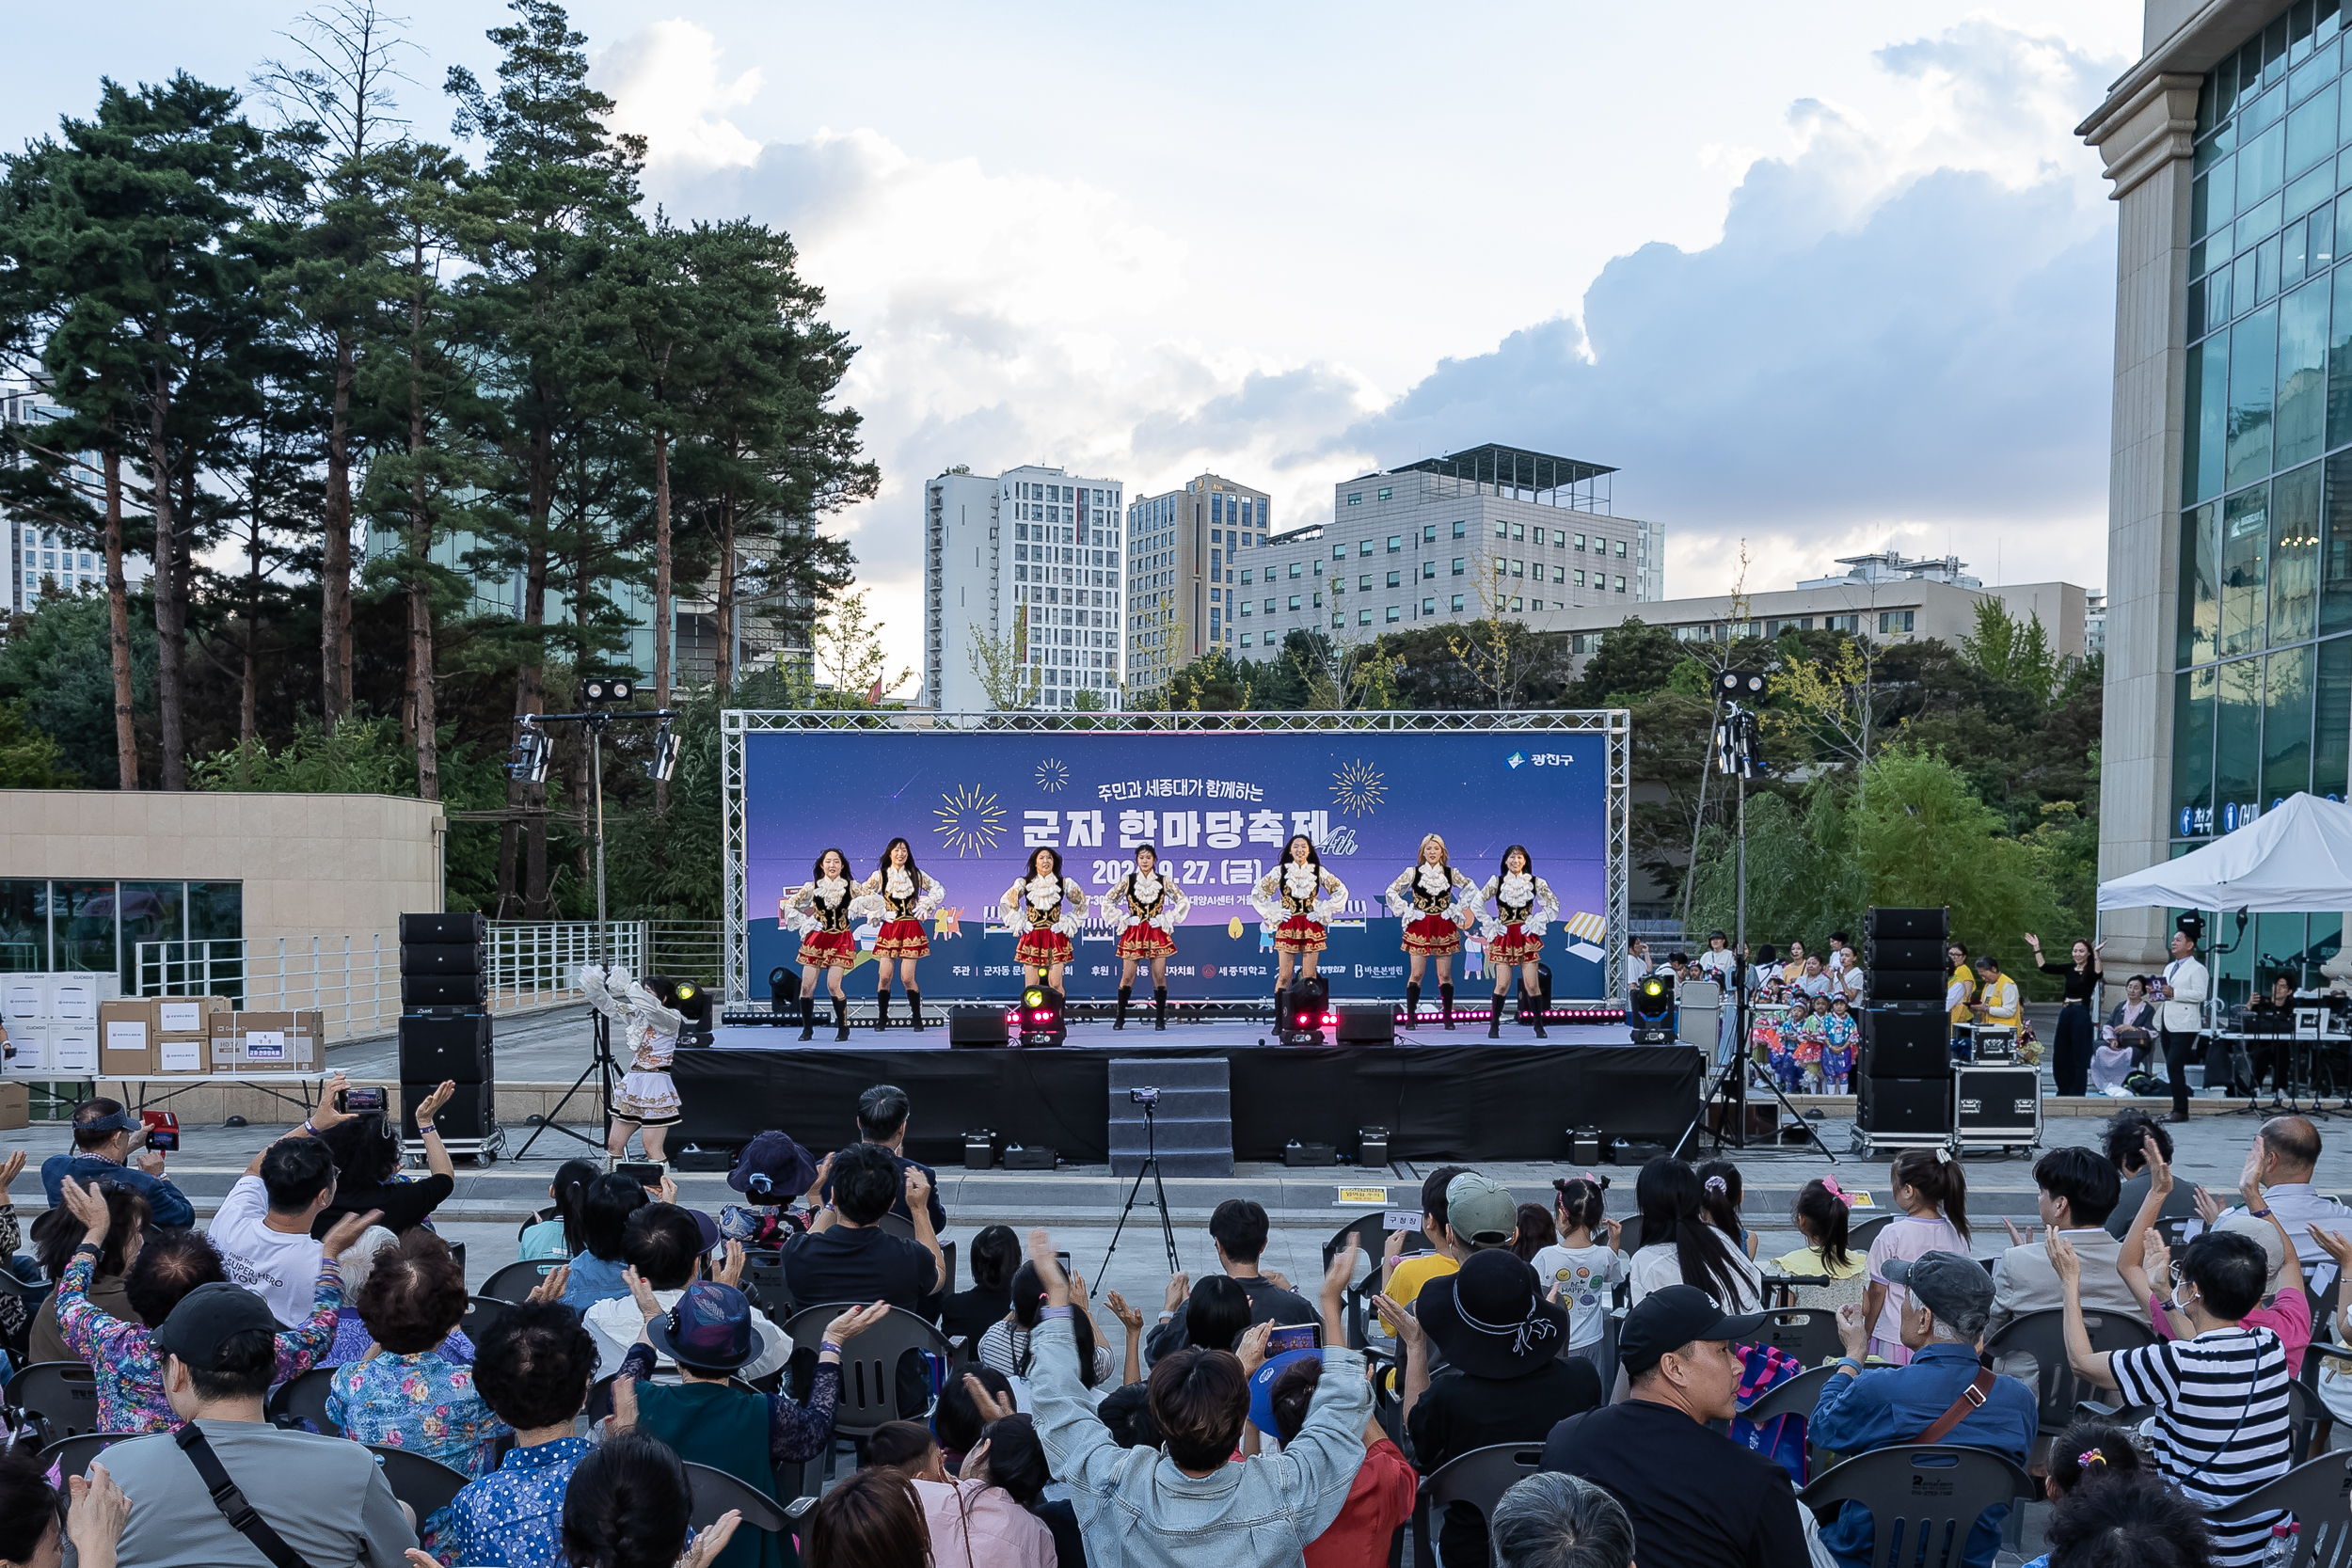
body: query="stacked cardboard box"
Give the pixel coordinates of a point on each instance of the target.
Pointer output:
(183, 1031)
(267, 1042)
(52, 1022)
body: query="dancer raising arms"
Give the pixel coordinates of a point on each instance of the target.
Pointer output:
(1145, 908)
(1526, 906)
(903, 898)
(1436, 903)
(1299, 902)
(819, 910)
(1045, 909)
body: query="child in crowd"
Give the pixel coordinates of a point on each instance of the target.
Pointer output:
(1719, 1183)
(907, 1447)
(1586, 1266)
(2086, 1452)
(1840, 1032)
(1821, 1219)
(1932, 1193)
(1765, 1047)
(1804, 1037)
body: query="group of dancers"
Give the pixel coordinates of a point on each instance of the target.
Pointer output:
(1045, 909)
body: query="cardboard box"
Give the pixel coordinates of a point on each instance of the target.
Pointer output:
(16, 1107)
(30, 1042)
(268, 1042)
(184, 1033)
(126, 1038)
(24, 997)
(73, 1049)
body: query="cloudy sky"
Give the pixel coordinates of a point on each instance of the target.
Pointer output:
(1815, 277)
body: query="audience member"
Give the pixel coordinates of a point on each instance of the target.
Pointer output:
(1680, 1248)
(2285, 1309)
(352, 1338)
(1942, 1395)
(127, 1358)
(1822, 1218)
(870, 1520)
(1145, 1508)
(2134, 1521)
(1217, 1314)
(324, 1498)
(669, 1247)
(55, 1234)
(1406, 1275)
(37, 1519)
(708, 1418)
(2089, 1450)
(368, 1160)
(1537, 1231)
(1127, 1414)
(2288, 1148)
(263, 1229)
(846, 1256)
(1504, 1380)
(2078, 1189)
(14, 1320)
(1382, 1496)
(110, 1144)
(908, 1448)
(986, 1516)
(412, 1396)
(2126, 1139)
(597, 1263)
(1720, 1196)
(1016, 1462)
(1550, 1520)
(1238, 1231)
(628, 1506)
(1932, 1193)
(2220, 1398)
(554, 1230)
(533, 1368)
(1006, 1346)
(1696, 1499)
(772, 1170)
(883, 1113)
(1580, 1269)
(994, 1257)
(961, 1416)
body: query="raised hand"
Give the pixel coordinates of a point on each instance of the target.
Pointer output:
(641, 1293)
(1340, 1275)
(551, 1286)
(1179, 1288)
(992, 1407)
(624, 1406)
(1399, 1323)
(346, 1230)
(330, 1111)
(975, 1465)
(431, 1103)
(2064, 1260)
(1130, 1318)
(10, 1168)
(2159, 1168)
(2208, 1207)
(1252, 1348)
(1853, 1329)
(87, 1205)
(856, 1320)
(95, 1519)
(712, 1540)
(2155, 1259)
(1048, 1268)
(918, 1190)
(730, 1269)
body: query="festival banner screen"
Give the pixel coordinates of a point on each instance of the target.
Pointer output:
(1218, 808)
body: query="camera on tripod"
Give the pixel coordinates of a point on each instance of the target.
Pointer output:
(1144, 1097)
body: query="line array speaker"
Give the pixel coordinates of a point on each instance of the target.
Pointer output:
(473, 928)
(440, 958)
(443, 991)
(445, 1044)
(1933, 925)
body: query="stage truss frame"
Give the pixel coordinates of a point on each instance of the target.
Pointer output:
(1614, 726)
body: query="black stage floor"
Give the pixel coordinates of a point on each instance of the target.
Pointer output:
(1465, 1098)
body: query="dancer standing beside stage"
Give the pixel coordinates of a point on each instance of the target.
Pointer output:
(1526, 905)
(1044, 910)
(1145, 908)
(1299, 902)
(1436, 903)
(819, 910)
(903, 898)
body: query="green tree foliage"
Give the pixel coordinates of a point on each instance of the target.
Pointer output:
(30, 758)
(56, 661)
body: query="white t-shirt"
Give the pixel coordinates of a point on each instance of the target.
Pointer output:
(1658, 1265)
(280, 1267)
(1583, 1274)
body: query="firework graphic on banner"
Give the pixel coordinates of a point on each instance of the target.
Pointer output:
(1358, 789)
(969, 820)
(1052, 775)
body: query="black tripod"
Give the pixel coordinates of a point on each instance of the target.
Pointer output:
(602, 1069)
(1149, 1100)
(1732, 1086)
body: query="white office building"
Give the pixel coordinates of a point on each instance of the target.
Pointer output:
(40, 559)
(1024, 571)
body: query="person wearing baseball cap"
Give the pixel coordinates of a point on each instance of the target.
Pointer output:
(1698, 1499)
(110, 1144)
(1944, 1394)
(325, 1497)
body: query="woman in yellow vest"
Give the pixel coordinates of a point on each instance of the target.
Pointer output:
(1997, 995)
(1961, 989)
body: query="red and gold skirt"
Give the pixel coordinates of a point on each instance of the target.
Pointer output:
(1145, 941)
(1516, 945)
(902, 939)
(828, 950)
(1434, 936)
(1043, 948)
(1299, 934)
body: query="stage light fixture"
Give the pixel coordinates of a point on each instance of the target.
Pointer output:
(597, 691)
(1652, 1014)
(533, 753)
(664, 759)
(1040, 1018)
(1308, 1013)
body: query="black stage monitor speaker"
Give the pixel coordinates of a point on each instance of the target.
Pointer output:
(1908, 1041)
(443, 991)
(439, 1046)
(1908, 925)
(1886, 952)
(440, 958)
(1904, 985)
(444, 927)
(470, 1112)
(977, 1029)
(1367, 1027)
(1906, 1106)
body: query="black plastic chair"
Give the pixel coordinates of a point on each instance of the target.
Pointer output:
(2319, 1495)
(2042, 1336)
(481, 1312)
(869, 1364)
(72, 1455)
(32, 1293)
(65, 1392)
(514, 1283)
(1478, 1478)
(714, 1492)
(1370, 1233)
(1796, 1397)
(424, 1484)
(1923, 1500)
(1859, 1237)
(2304, 1414)
(306, 1396)
(763, 1283)
(1807, 1333)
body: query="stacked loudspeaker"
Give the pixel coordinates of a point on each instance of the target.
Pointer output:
(445, 1029)
(1904, 1077)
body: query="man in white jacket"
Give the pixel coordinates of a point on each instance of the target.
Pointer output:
(2184, 989)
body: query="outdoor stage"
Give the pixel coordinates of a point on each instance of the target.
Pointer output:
(1442, 1097)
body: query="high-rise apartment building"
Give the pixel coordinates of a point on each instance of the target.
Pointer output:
(40, 557)
(1023, 575)
(1187, 547)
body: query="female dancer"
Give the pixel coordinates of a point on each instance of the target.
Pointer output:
(1145, 908)
(1297, 901)
(1436, 903)
(646, 1098)
(1526, 906)
(904, 898)
(1045, 909)
(2069, 1057)
(819, 910)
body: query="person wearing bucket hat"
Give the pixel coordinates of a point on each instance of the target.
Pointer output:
(669, 1249)
(1504, 1380)
(773, 1170)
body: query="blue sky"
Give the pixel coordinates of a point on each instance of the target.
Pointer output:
(1814, 277)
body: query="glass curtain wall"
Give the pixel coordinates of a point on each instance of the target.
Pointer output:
(50, 926)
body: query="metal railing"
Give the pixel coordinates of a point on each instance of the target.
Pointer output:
(686, 949)
(537, 963)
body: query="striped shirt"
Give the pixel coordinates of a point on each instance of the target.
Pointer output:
(2221, 1423)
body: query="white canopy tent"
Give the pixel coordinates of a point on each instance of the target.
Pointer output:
(2294, 859)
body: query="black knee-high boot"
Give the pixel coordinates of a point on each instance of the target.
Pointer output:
(1119, 1020)
(1445, 1000)
(1537, 1015)
(1159, 1007)
(1494, 1019)
(840, 1019)
(914, 1009)
(808, 1017)
(1412, 1003)
(881, 1009)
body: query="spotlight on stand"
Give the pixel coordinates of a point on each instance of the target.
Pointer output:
(597, 691)
(1309, 1013)
(533, 753)
(1652, 1014)
(1039, 1019)
(664, 759)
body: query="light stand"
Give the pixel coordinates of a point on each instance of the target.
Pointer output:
(1149, 1099)
(604, 1069)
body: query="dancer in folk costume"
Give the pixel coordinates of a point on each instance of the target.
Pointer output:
(1525, 906)
(820, 908)
(1145, 908)
(647, 1100)
(901, 898)
(1437, 904)
(1045, 909)
(1297, 903)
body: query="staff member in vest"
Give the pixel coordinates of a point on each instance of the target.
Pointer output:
(2183, 989)
(1960, 991)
